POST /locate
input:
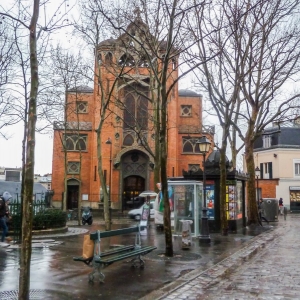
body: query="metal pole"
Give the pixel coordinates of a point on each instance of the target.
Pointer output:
(257, 193)
(110, 161)
(204, 234)
(204, 180)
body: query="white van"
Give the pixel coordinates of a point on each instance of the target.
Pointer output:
(137, 213)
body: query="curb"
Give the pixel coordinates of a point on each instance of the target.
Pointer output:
(211, 276)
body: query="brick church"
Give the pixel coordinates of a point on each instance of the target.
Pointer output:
(127, 164)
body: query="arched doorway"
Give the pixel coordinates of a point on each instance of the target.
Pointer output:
(135, 177)
(72, 193)
(133, 186)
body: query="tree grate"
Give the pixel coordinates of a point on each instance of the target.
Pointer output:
(13, 295)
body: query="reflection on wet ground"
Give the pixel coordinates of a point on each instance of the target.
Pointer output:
(54, 274)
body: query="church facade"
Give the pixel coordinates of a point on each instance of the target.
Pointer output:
(128, 130)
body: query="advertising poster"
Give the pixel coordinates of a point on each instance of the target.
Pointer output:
(231, 200)
(210, 201)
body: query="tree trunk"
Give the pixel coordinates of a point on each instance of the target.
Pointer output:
(106, 199)
(25, 256)
(252, 212)
(223, 216)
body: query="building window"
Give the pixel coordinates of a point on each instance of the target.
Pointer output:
(266, 141)
(76, 142)
(128, 140)
(297, 169)
(189, 145)
(126, 60)
(108, 58)
(82, 107)
(266, 170)
(186, 110)
(136, 108)
(73, 167)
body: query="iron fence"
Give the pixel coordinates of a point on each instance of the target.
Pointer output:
(39, 205)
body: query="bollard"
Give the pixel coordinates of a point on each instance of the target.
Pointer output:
(285, 212)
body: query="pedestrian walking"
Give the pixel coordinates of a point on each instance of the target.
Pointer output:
(4, 215)
(280, 202)
(261, 211)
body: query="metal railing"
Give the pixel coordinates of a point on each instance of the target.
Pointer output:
(15, 209)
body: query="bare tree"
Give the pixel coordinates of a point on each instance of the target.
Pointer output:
(66, 74)
(27, 18)
(247, 83)
(7, 53)
(166, 20)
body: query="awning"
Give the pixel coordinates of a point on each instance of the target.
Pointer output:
(294, 188)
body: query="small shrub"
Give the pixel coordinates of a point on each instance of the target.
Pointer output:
(49, 218)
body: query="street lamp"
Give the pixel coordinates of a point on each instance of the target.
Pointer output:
(108, 142)
(204, 145)
(257, 173)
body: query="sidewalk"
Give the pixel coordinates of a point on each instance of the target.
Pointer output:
(189, 274)
(272, 274)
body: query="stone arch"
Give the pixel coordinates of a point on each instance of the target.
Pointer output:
(132, 148)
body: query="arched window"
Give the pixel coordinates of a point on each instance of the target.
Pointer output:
(136, 107)
(108, 58)
(189, 145)
(76, 142)
(129, 111)
(128, 140)
(143, 62)
(126, 60)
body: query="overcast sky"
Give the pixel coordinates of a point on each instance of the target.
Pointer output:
(11, 151)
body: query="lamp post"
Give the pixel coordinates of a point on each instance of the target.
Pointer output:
(204, 145)
(257, 173)
(108, 142)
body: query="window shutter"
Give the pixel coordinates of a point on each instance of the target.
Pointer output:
(270, 170)
(261, 170)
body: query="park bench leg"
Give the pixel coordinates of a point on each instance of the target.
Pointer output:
(137, 260)
(96, 269)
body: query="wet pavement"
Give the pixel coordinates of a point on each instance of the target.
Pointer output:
(190, 274)
(273, 273)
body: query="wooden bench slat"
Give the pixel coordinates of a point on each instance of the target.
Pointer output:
(117, 250)
(121, 256)
(104, 234)
(106, 258)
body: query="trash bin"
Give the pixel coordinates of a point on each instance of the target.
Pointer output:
(186, 234)
(271, 207)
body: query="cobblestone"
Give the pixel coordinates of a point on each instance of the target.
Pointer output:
(265, 269)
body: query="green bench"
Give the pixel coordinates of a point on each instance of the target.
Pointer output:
(100, 260)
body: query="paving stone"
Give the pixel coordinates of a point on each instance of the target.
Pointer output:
(266, 269)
